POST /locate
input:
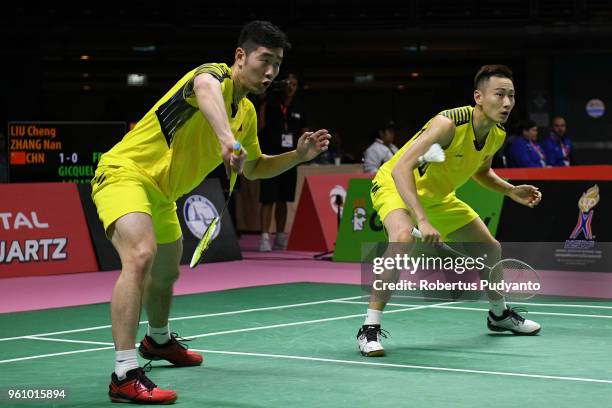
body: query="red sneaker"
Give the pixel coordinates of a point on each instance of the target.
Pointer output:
(174, 351)
(137, 388)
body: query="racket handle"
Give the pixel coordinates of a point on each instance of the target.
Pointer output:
(237, 148)
(416, 233)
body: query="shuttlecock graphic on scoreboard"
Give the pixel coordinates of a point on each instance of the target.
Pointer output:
(587, 201)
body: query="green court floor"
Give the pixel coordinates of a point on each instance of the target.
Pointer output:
(294, 346)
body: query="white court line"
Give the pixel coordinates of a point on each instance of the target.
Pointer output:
(406, 307)
(443, 306)
(55, 354)
(408, 366)
(248, 329)
(104, 343)
(264, 309)
(353, 302)
(535, 313)
(205, 334)
(259, 309)
(514, 303)
(562, 305)
(274, 326)
(328, 319)
(59, 332)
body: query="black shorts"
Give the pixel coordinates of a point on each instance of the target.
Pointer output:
(278, 189)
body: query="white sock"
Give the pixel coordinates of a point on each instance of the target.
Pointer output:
(372, 317)
(497, 306)
(160, 335)
(125, 361)
(265, 236)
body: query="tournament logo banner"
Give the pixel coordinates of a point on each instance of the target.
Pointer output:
(195, 211)
(587, 201)
(361, 223)
(198, 213)
(319, 212)
(582, 252)
(557, 241)
(43, 231)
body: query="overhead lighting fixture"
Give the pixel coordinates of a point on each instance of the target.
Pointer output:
(84, 57)
(415, 48)
(363, 78)
(137, 79)
(144, 48)
(414, 74)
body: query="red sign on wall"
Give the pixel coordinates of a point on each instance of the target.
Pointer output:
(43, 231)
(315, 226)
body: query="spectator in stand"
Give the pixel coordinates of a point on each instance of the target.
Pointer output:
(382, 149)
(558, 146)
(525, 150)
(281, 121)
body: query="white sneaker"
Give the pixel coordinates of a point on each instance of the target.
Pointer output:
(280, 241)
(368, 340)
(511, 321)
(264, 245)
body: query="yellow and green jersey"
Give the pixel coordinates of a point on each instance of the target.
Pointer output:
(464, 157)
(175, 145)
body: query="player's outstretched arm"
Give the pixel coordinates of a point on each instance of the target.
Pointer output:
(210, 102)
(441, 131)
(524, 194)
(309, 146)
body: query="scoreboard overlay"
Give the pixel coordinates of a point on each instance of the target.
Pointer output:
(42, 151)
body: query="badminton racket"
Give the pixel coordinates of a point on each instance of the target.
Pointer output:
(512, 278)
(210, 229)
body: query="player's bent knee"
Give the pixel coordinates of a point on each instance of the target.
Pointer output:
(494, 247)
(498, 247)
(402, 235)
(140, 258)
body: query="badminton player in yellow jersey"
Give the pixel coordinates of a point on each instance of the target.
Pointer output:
(406, 195)
(186, 134)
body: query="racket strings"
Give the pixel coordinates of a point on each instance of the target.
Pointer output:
(521, 277)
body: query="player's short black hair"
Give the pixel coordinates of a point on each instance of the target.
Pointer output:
(487, 71)
(262, 34)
